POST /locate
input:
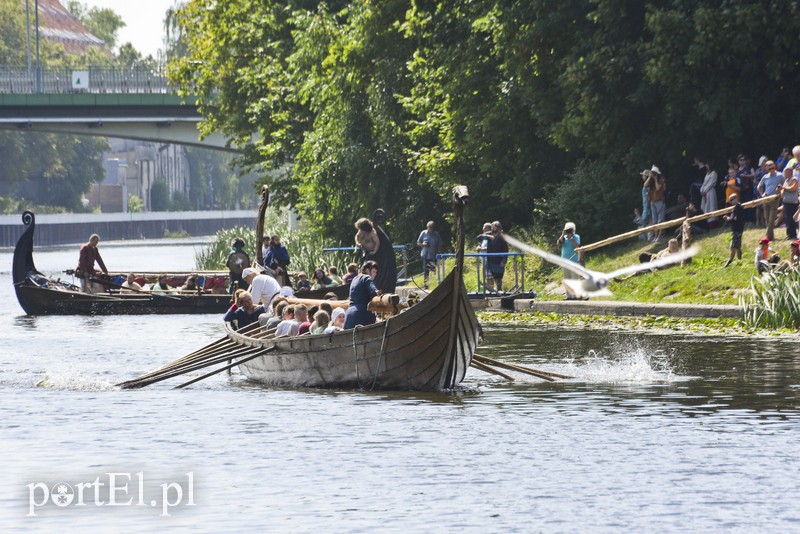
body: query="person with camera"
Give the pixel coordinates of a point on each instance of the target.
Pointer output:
(569, 241)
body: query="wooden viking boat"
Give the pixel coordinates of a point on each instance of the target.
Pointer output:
(429, 346)
(40, 295)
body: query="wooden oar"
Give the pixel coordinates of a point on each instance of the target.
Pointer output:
(226, 368)
(486, 369)
(120, 286)
(544, 375)
(216, 352)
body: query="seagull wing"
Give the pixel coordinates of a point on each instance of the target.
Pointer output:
(655, 264)
(552, 258)
(579, 289)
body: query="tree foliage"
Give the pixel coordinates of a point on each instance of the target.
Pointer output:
(364, 104)
(103, 22)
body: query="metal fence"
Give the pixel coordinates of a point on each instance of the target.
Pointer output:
(517, 260)
(92, 80)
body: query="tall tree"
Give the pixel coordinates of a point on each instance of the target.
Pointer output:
(103, 22)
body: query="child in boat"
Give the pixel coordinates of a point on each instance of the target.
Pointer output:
(321, 320)
(302, 281)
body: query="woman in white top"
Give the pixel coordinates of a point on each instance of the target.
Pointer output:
(709, 192)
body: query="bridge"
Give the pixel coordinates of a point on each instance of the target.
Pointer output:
(131, 104)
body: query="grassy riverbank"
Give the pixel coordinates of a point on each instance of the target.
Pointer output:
(703, 281)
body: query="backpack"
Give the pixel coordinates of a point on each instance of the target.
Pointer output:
(237, 262)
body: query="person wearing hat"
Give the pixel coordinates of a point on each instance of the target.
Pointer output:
(658, 197)
(569, 241)
(263, 288)
(766, 258)
(337, 321)
(736, 220)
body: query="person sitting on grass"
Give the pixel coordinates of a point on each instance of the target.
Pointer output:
(672, 247)
(766, 257)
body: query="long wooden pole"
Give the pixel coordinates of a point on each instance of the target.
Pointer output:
(672, 223)
(226, 368)
(544, 375)
(486, 369)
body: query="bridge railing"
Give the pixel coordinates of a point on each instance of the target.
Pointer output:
(93, 80)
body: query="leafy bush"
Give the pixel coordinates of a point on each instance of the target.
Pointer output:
(599, 199)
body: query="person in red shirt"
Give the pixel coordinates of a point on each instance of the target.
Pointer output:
(86, 260)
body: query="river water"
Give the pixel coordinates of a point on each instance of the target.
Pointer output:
(657, 432)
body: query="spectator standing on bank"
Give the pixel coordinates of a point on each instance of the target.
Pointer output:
(569, 240)
(708, 192)
(497, 264)
(768, 186)
(789, 196)
(658, 197)
(736, 220)
(430, 243)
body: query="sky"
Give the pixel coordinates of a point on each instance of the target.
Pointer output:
(144, 21)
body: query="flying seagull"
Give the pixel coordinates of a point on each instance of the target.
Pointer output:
(593, 283)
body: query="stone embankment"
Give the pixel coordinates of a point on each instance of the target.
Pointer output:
(606, 307)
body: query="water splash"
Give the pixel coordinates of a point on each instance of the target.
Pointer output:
(624, 365)
(72, 382)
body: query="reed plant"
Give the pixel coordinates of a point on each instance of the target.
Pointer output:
(305, 249)
(773, 300)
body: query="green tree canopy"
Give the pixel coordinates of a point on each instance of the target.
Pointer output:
(103, 22)
(391, 103)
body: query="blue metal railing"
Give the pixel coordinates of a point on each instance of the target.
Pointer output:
(517, 262)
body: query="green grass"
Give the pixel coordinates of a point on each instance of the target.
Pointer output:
(703, 281)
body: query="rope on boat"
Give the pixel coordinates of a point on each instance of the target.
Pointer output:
(380, 355)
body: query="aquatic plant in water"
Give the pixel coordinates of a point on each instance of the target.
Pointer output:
(773, 300)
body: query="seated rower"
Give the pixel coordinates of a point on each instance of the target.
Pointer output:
(131, 284)
(302, 281)
(333, 274)
(192, 284)
(321, 280)
(161, 287)
(244, 312)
